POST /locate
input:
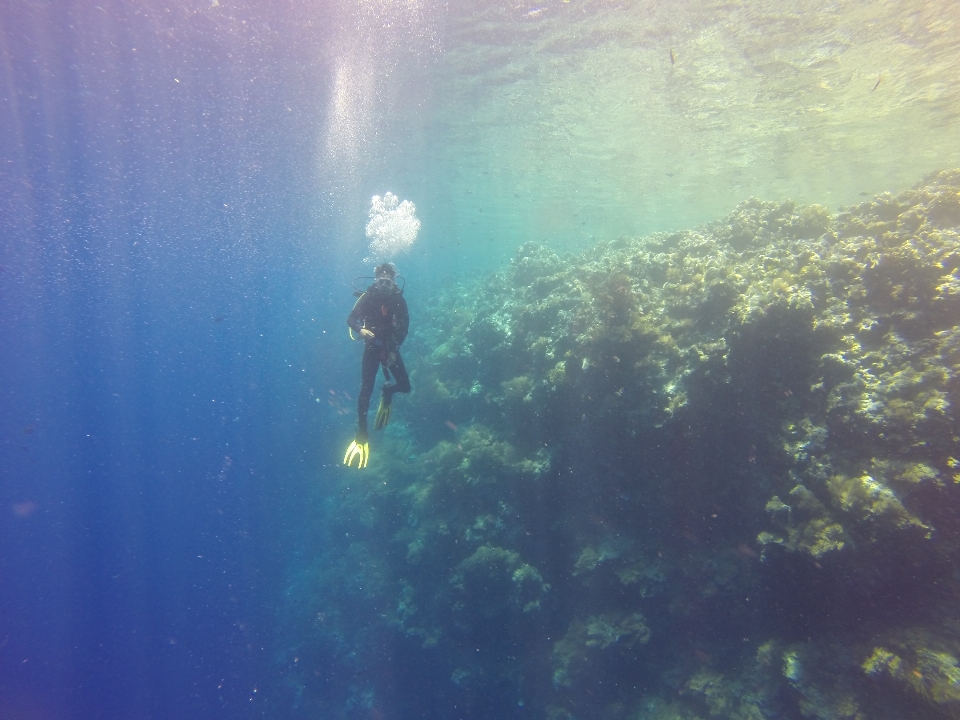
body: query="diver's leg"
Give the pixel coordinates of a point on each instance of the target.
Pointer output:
(399, 372)
(402, 384)
(368, 376)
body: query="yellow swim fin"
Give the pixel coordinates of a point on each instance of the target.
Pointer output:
(358, 450)
(383, 414)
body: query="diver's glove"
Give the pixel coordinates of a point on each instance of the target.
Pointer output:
(359, 449)
(383, 412)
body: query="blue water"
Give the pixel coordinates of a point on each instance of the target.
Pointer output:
(165, 293)
(182, 204)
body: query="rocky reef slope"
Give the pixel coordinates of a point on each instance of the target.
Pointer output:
(714, 473)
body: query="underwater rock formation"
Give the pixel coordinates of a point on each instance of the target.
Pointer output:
(710, 473)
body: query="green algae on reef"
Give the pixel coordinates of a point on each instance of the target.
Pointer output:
(711, 473)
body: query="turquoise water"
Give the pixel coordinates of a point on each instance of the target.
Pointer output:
(588, 506)
(568, 122)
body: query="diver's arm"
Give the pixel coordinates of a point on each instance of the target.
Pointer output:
(356, 319)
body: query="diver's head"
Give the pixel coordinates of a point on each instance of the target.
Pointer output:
(385, 275)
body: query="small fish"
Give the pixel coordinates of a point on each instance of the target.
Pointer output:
(450, 425)
(28, 430)
(673, 59)
(219, 318)
(879, 78)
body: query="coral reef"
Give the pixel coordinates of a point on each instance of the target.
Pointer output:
(710, 473)
(576, 651)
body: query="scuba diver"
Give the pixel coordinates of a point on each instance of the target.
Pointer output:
(381, 320)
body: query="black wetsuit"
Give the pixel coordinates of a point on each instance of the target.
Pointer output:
(384, 313)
